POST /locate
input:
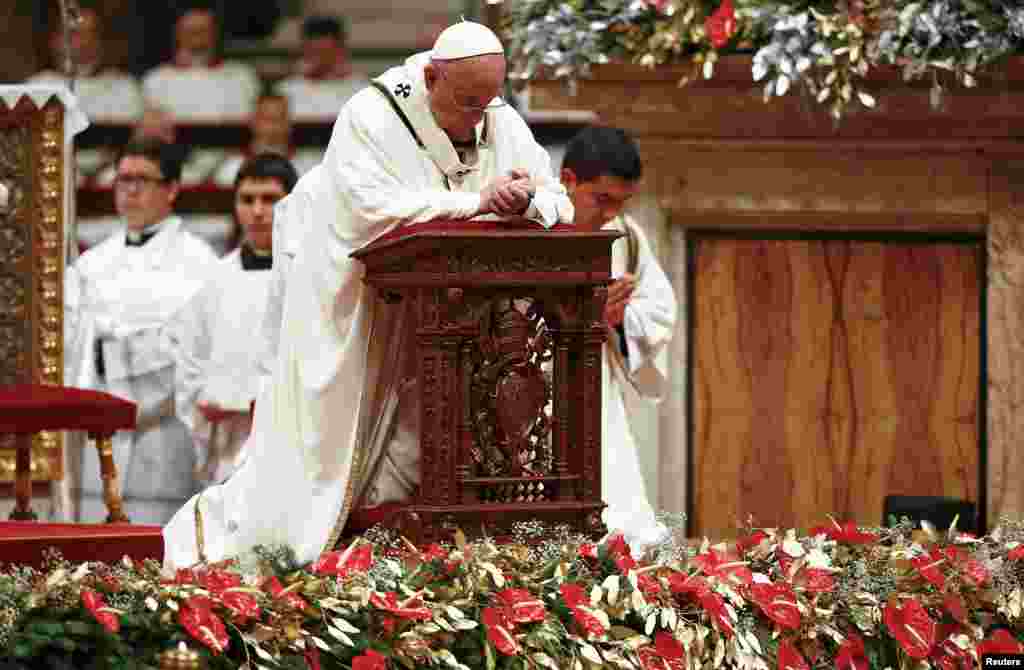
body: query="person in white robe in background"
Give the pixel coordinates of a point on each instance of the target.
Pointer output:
(198, 85)
(220, 351)
(431, 140)
(325, 81)
(270, 130)
(129, 287)
(106, 94)
(601, 170)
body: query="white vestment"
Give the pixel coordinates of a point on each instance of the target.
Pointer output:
(128, 294)
(318, 99)
(335, 374)
(648, 324)
(226, 91)
(108, 96)
(219, 353)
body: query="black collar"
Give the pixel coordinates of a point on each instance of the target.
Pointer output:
(134, 239)
(253, 261)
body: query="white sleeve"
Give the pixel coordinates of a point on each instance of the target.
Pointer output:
(648, 322)
(368, 179)
(189, 330)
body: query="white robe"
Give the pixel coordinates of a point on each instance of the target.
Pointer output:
(127, 295)
(307, 426)
(107, 96)
(318, 99)
(226, 91)
(219, 353)
(648, 324)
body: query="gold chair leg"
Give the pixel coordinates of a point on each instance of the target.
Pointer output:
(23, 482)
(111, 485)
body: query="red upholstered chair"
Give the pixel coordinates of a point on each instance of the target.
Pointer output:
(31, 408)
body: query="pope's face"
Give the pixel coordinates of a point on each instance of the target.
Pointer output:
(254, 210)
(461, 90)
(599, 200)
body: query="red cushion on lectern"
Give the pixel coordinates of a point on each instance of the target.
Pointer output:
(30, 408)
(364, 518)
(23, 542)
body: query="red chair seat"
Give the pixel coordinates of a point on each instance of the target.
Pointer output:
(30, 408)
(23, 542)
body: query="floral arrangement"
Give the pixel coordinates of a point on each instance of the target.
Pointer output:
(826, 48)
(839, 597)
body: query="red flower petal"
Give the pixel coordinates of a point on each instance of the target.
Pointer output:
(1001, 641)
(668, 647)
(912, 627)
(499, 630)
(714, 605)
(851, 654)
(243, 606)
(197, 617)
(522, 606)
(573, 595)
(371, 660)
(96, 605)
(778, 602)
(1017, 553)
(789, 658)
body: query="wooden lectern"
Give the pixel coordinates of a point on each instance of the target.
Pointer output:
(509, 330)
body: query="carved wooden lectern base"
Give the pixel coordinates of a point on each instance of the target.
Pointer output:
(509, 331)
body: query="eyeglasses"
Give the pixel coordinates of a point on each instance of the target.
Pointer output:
(495, 103)
(130, 182)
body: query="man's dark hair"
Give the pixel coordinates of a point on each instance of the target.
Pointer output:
(168, 157)
(268, 165)
(183, 7)
(322, 25)
(598, 151)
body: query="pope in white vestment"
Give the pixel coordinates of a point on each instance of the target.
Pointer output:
(392, 161)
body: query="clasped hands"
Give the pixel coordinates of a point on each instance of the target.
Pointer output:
(508, 195)
(619, 293)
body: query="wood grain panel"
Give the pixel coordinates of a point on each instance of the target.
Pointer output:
(752, 181)
(830, 373)
(1005, 344)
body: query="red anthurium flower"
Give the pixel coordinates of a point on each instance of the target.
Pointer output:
(851, 654)
(215, 580)
(412, 608)
(590, 624)
(688, 585)
(197, 617)
(725, 566)
(778, 602)
(846, 533)
(650, 659)
(649, 585)
(714, 605)
(359, 559)
(748, 542)
(930, 566)
(721, 25)
(573, 595)
(620, 553)
(668, 647)
(97, 606)
(789, 658)
(273, 586)
(912, 627)
(588, 550)
(371, 660)
(243, 606)
(1001, 641)
(1017, 553)
(500, 630)
(522, 606)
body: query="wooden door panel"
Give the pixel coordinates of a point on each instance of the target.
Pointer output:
(829, 373)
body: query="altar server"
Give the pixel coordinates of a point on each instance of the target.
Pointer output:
(218, 333)
(130, 286)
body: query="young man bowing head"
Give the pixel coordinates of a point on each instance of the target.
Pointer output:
(601, 170)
